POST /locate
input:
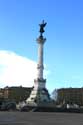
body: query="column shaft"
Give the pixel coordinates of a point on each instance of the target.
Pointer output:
(40, 66)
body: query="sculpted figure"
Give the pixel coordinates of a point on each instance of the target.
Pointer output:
(42, 25)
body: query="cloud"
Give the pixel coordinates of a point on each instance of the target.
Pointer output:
(16, 70)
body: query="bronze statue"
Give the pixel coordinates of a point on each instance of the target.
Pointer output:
(42, 25)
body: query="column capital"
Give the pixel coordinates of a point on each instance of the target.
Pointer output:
(41, 40)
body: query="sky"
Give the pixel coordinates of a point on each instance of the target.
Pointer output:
(63, 49)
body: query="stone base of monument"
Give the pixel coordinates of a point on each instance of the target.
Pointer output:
(39, 97)
(39, 100)
(39, 107)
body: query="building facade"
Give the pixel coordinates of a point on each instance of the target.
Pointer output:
(70, 96)
(15, 93)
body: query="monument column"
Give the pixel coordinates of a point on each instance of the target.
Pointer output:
(40, 81)
(39, 93)
(40, 66)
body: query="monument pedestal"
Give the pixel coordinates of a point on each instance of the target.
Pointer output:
(39, 94)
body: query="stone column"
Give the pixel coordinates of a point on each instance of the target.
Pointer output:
(40, 66)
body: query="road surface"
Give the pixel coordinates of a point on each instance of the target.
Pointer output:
(40, 118)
